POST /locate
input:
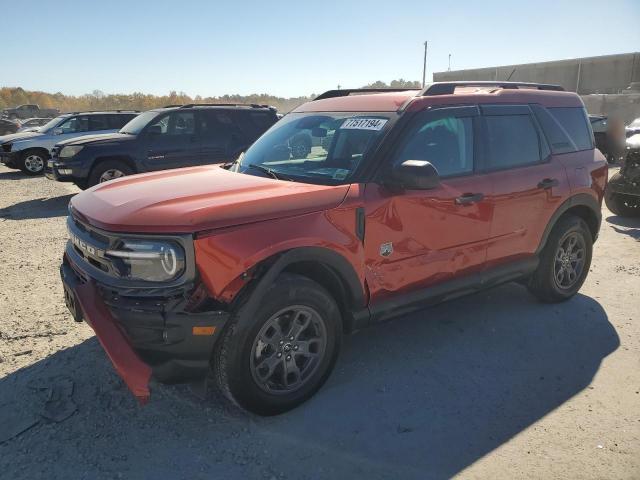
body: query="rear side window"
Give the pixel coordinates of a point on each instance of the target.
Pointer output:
(98, 122)
(116, 122)
(575, 123)
(513, 141)
(255, 123)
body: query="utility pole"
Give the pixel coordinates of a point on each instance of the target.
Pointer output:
(449, 63)
(424, 65)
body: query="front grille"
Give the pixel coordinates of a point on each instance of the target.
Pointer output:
(91, 246)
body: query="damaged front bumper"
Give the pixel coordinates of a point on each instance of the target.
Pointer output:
(142, 336)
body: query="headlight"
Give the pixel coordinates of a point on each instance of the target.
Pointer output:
(153, 261)
(70, 151)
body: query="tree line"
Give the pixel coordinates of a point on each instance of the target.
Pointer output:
(97, 100)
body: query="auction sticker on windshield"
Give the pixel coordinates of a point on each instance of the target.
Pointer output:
(364, 123)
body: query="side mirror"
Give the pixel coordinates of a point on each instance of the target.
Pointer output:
(415, 175)
(58, 131)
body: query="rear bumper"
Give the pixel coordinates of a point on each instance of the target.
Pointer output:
(142, 337)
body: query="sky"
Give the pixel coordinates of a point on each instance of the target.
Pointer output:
(289, 48)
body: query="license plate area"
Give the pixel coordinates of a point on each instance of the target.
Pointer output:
(72, 303)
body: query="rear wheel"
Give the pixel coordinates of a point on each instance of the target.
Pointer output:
(564, 262)
(272, 360)
(622, 205)
(108, 170)
(32, 162)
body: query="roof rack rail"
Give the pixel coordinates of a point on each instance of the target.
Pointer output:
(448, 88)
(102, 111)
(348, 91)
(189, 105)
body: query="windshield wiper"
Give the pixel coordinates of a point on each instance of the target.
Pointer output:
(268, 171)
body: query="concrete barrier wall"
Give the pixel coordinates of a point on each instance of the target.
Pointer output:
(588, 75)
(624, 107)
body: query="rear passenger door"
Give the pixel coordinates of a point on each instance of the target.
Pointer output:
(528, 183)
(222, 139)
(172, 141)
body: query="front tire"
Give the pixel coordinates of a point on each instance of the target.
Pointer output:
(108, 170)
(564, 261)
(622, 205)
(32, 162)
(271, 360)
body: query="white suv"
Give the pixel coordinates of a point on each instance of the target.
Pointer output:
(28, 151)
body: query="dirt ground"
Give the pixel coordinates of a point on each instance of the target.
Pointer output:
(494, 385)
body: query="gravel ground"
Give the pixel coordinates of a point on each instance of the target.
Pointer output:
(516, 390)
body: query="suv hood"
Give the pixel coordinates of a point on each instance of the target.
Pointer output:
(99, 139)
(18, 136)
(189, 200)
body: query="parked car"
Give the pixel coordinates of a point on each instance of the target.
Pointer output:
(257, 269)
(29, 151)
(32, 124)
(622, 195)
(29, 111)
(160, 139)
(8, 126)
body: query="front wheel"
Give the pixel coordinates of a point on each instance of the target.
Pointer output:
(274, 359)
(32, 162)
(108, 170)
(622, 205)
(564, 261)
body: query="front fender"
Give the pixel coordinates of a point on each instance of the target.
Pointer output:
(227, 258)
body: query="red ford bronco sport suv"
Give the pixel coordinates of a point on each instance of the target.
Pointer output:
(255, 270)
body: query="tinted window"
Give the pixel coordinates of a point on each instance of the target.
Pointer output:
(556, 135)
(219, 125)
(177, 123)
(75, 125)
(574, 121)
(98, 122)
(445, 142)
(116, 122)
(513, 141)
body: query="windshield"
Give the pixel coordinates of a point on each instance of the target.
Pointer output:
(315, 147)
(135, 126)
(51, 124)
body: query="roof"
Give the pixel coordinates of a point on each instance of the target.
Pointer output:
(449, 93)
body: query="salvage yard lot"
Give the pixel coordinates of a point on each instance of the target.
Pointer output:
(494, 385)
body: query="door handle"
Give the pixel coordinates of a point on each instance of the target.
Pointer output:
(548, 183)
(469, 198)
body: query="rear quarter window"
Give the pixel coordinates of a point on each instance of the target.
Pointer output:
(116, 122)
(575, 122)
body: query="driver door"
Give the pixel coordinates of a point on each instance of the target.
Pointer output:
(419, 238)
(172, 141)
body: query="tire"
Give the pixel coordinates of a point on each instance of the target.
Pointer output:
(545, 282)
(112, 168)
(243, 378)
(622, 205)
(32, 162)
